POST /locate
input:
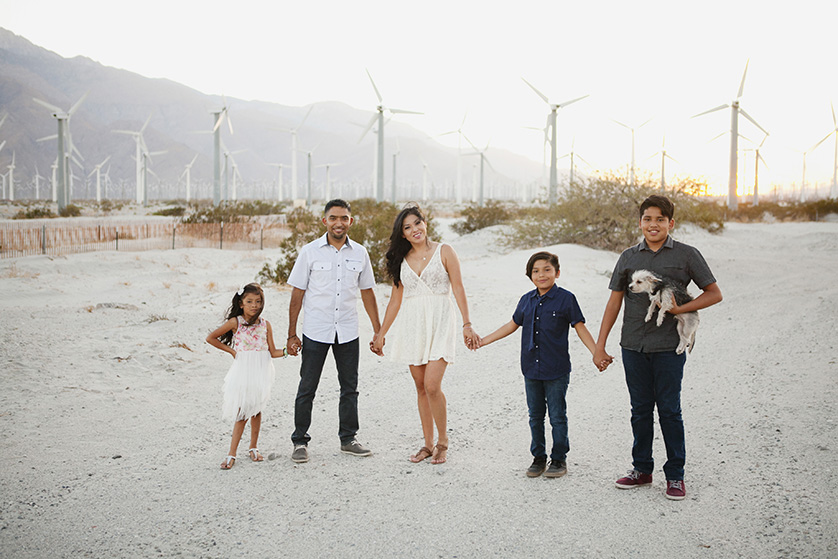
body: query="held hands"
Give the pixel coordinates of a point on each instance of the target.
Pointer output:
(470, 337)
(294, 345)
(377, 345)
(602, 359)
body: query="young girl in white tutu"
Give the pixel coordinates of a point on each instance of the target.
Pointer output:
(247, 387)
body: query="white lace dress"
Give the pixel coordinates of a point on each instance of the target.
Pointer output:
(426, 326)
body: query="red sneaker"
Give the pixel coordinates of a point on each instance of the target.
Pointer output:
(634, 479)
(675, 489)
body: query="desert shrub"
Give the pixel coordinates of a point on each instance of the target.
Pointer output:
(176, 211)
(70, 210)
(37, 212)
(494, 212)
(372, 227)
(785, 211)
(233, 212)
(601, 212)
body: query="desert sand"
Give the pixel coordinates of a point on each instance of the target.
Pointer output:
(110, 409)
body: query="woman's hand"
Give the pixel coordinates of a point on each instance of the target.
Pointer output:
(471, 339)
(377, 345)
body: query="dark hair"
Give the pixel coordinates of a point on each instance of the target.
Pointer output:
(337, 202)
(399, 246)
(236, 309)
(543, 255)
(662, 203)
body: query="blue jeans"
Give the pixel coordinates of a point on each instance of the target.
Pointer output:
(314, 356)
(654, 379)
(544, 395)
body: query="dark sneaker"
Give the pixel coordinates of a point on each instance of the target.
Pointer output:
(354, 448)
(300, 453)
(557, 468)
(539, 464)
(675, 490)
(634, 479)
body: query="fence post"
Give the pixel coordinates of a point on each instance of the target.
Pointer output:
(43, 238)
(117, 238)
(261, 237)
(221, 237)
(174, 227)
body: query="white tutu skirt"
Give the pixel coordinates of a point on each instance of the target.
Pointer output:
(425, 330)
(247, 386)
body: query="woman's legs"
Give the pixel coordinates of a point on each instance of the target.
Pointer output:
(425, 415)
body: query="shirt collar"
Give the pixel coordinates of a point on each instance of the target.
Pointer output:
(324, 240)
(550, 294)
(668, 243)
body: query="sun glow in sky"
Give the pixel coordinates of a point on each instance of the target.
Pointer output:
(664, 61)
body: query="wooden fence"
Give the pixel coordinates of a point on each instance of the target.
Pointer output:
(29, 238)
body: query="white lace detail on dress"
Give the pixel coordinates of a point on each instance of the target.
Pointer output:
(433, 281)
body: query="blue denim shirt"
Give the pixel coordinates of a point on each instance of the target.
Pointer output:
(546, 321)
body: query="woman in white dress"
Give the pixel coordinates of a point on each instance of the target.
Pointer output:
(424, 274)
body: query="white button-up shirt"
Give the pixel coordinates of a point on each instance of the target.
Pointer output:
(331, 279)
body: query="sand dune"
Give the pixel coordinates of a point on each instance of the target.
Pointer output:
(111, 414)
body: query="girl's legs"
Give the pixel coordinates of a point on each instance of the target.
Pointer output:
(255, 425)
(238, 429)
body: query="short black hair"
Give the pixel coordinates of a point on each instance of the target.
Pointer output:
(337, 202)
(662, 203)
(543, 255)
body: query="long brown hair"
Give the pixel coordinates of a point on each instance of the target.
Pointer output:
(237, 310)
(399, 246)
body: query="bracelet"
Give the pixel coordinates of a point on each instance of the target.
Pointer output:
(284, 352)
(466, 324)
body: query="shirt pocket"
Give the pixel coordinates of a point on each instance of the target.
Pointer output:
(320, 273)
(354, 267)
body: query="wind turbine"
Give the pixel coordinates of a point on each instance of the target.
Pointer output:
(553, 192)
(146, 170)
(278, 180)
(65, 148)
(833, 191)
(664, 156)
(572, 154)
(395, 156)
(482, 154)
(379, 116)
(97, 169)
(735, 109)
(38, 178)
(11, 173)
(328, 166)
(188, 173)
(426, 173)
(139, 140)
(228, 155)
(293, 132)
(631, 169)
(458, 195)
(219, 115)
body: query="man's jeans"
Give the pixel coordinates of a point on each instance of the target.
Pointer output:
(313, 357)
(654, 379)
(543, 395)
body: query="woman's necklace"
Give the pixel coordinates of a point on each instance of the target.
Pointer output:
(427, 248)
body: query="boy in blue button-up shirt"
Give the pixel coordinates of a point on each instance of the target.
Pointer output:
(546, 315)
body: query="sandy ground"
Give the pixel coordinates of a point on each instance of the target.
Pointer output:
(112, 435)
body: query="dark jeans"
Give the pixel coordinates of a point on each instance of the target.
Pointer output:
(544, 395)
(313, 357)
(654, 379)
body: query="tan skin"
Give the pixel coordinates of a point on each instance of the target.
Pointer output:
(656, 228)
(544, 275)
(428, 377)
(337, 221)
(251, 304)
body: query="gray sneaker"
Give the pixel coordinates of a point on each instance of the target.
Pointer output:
(354, 448)
(557, 468)
(539, 463)
(300, 453)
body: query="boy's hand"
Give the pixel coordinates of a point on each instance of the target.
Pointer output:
(602, 359)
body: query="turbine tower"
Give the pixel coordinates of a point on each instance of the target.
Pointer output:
(458, 194)
(735, 109)
(631, 169)
(664, 157)
(278, 180)
(293, 132)
(138, 158)
(188, 173)
(553, 192)
(833, 190)
(11, 173)
(65, 143)
(379, 116)
(483, 160)
(219, 115)
(97, 169)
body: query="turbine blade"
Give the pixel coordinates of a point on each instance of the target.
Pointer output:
(48, 105)
(229, 120)
(75, 107)
(623, 125)
(304, 119)
(368, 127)
(193, 160)
(377, 93)
(566, 103)
(714, 138)
(105, 161)
(471, 144)
(835, 122)
(2, 120)
(537, 92)
(45, 138)
(825, 138)
(746, 115)
(645, 123)
(742, 84)
(218, 122)
(402, 111)
(714, 109)
(145, 124)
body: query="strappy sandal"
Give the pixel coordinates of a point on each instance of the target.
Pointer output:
(255, 455)
(441, 448)
(423, 453)
(228, 463)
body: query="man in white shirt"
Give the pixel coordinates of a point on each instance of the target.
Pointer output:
(327, 278)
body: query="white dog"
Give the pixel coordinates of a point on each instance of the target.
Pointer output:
(661, 290)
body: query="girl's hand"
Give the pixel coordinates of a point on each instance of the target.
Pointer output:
(233, 353)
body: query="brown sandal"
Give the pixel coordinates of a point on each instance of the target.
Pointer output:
(440, 448)
(423, 453)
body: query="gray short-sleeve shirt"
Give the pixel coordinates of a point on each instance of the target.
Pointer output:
(675, 260)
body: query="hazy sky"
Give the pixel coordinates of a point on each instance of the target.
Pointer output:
(637, 60)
